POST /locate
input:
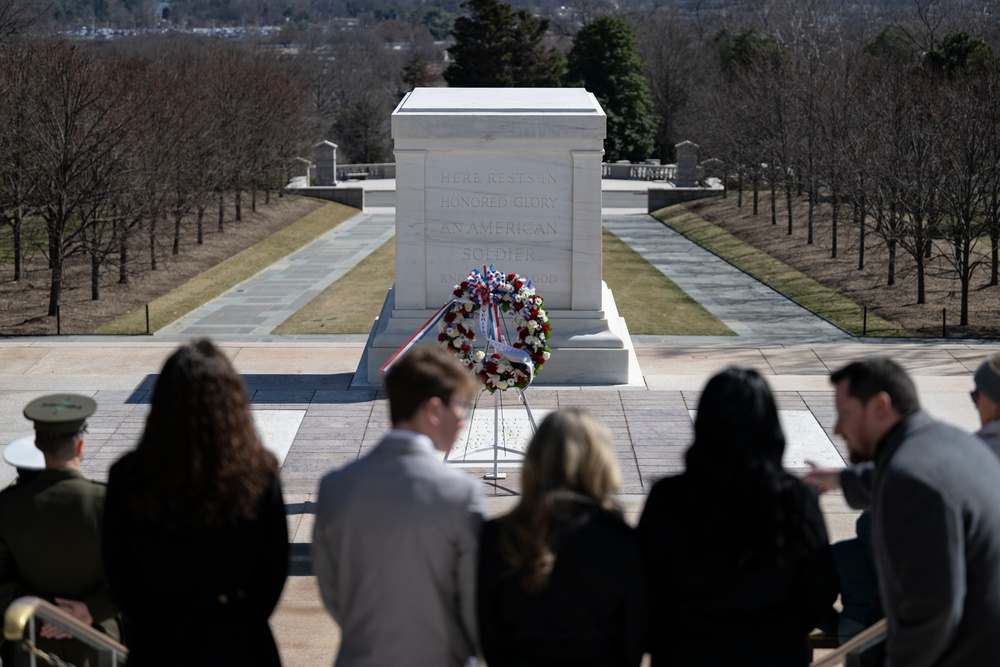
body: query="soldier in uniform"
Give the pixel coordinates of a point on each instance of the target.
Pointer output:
(50, 531)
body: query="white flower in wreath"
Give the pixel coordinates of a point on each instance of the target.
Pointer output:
(532, 325)
(457, 343)
(546, 355)
(501, 385)
(478, 356)
(541, 314)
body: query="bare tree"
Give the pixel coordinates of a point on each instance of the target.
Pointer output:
(73, 134)
(969, 169)
(16, 16)
(677, 71)
(15, 187)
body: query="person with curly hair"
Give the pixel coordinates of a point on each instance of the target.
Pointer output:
(195, 541)
(735, 547)
(560, 577)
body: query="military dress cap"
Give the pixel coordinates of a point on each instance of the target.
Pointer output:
(60, 414)
(23, 455)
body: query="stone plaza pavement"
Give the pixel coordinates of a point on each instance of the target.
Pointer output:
(314, 416)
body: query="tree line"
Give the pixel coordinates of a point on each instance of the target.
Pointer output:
(105, 155)
(900, 140)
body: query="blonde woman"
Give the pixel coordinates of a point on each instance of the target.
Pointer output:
(560, 576)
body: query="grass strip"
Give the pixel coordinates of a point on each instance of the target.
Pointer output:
(649, 301)
(797, 286)
(206, 286)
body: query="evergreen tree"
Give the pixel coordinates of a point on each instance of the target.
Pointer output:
(417, 72)
(604, 59)
(498, 47)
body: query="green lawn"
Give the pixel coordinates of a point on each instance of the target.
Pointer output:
(649, 301)
(795, 285)
(210, 284)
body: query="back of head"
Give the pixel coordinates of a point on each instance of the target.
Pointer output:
(869, 377)
(60, 421)
(571, 451)
(58, 448)
(199, 458)
(736, 431)
(426, 371)
(987, 378)
(736, 460)
(570, 465)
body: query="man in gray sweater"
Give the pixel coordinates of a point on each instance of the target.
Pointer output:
(936, 520)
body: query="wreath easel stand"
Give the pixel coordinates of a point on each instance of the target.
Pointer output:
(497, 446)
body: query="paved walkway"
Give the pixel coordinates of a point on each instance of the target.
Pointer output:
(259, 304)
(744, 304)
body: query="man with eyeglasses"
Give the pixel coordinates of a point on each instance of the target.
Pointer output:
(50, 532)
(397, 532)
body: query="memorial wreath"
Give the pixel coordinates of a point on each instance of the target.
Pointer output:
(485, 296)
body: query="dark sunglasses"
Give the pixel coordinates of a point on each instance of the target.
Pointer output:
(975, 396)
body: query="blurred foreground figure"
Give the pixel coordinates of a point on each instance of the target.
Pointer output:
(560, 577)
(195, 540)
(397, 532)
(986, 397)
(736, 552)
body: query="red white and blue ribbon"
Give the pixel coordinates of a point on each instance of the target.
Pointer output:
(415, 338)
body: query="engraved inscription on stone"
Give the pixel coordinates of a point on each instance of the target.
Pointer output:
(511, 211)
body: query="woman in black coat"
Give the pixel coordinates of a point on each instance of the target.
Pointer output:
(735, 549)
(195, 541)
(560, 576)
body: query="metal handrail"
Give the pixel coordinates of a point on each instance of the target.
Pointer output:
(862, 641)
(22, 610)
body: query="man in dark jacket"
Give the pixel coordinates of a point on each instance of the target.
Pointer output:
(936, 520)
